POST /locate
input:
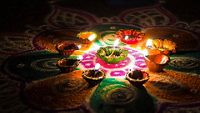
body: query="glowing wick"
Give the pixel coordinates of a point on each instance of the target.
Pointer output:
(79, 46)
(92, 37)
(126, 37)
(114, 46)
(80, 58)
(97, 66)
(149, 43)
(145, 52)
(116, 43)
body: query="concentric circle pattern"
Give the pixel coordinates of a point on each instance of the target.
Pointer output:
(185, 63)
(32, 65)
(135, 60)
(48, 64)
(69, 86)
(120, 96)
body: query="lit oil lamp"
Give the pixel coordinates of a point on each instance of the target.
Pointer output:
(93, 76)
(67, 65)
(156, 63)
(130, 36)
(87, 37)
(159, 46)
(79, 46)
(66, 48)
(151, 50)
(113, 54)
(137, 77)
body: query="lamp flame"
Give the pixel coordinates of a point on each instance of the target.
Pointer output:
(80, 58)
(145, 52)
(79, 46)
(92, 37)
(97, 66)
(116, 43)
(126, 37)
(149, 43)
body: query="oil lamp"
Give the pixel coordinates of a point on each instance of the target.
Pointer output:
(137, 77)
(130, 36)
(151, 50)
(87, 36)
(156, 63)
(93, 76)
(67, 65)
(66, 48)
(160, 46)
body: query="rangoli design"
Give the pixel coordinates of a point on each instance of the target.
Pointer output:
(12, 44)
(135, 60)
(31, 82)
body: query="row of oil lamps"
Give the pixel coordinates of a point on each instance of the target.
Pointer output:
(156, 57)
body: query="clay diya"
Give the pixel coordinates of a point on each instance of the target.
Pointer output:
(87, 37)
(159, 46)
(130, 36)
(67, 65)
(137, 77)
(66, 48)
(156, 63)
(93, 76)
(111, 54)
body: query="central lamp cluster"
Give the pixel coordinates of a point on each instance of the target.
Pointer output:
(111, 54)
(156, 57)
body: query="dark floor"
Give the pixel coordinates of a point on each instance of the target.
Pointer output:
(15, 15)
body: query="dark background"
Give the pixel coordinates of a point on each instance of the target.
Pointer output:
(16, 14)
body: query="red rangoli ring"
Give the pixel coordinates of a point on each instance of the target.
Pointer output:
(130, 36)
